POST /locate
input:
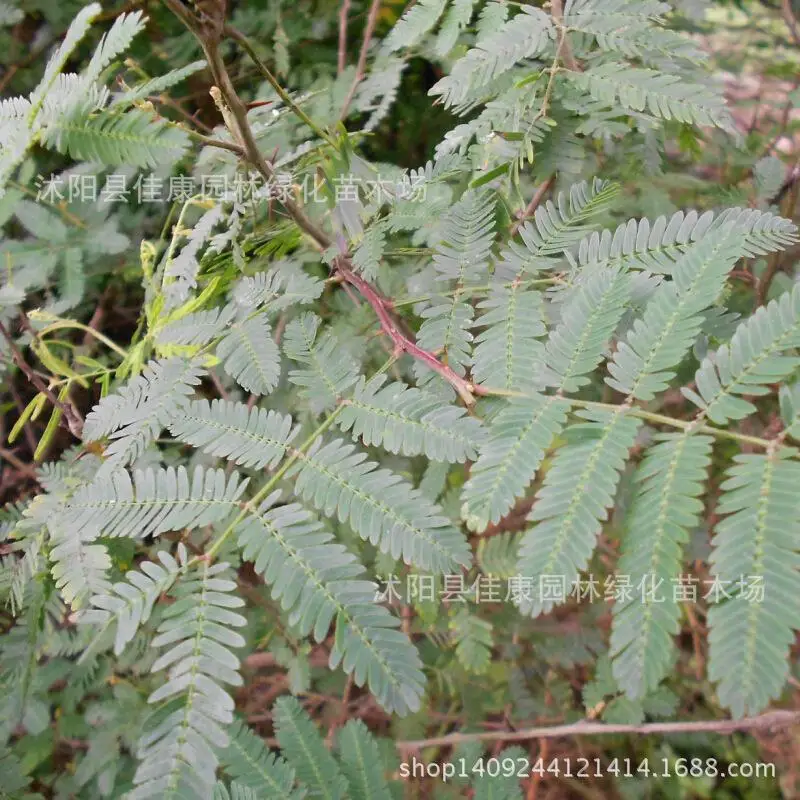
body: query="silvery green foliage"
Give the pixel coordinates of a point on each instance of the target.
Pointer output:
(70, 112)
(197, 637)
(536, 315)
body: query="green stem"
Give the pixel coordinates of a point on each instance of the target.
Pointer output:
(296, 453)
(273, 81)
(640, 413)
(253, 502)
(472, 290)
(62, 324)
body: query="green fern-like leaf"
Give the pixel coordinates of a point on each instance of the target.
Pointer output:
(498, 555)
(303, 747)
(78, 28)
(524, 36)
(519, 436)
(80, 565)
(664, 96)
(154, 501)
(445, 330)
(656, 246)
(250, 356)
(629, 27)
(756, 540)
(361, 762)
(318, 581)
(137, 413)
(462, 257)
(247, 759)
(378, 505)
(579, 341)
(573, 503)
(130, 604)
(115, 41)
(156, 86)
(250, 437)
(178, 753)
(645, 362)
(665, 510)
(414, 24)
(330, 372)
(278, 288)
(508, 352)
(557, 226)
(133, 138)
(515, 445)
(473, 640)
(197, 328)
(755, 358)
(457, 17)
(467, 234)
(410, 421)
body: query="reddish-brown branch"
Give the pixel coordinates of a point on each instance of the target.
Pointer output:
(342, 54)
(535, 202)
(402, 343)
(361, 67)
(249, 150)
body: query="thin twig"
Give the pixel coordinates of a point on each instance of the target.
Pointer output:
(791, 20)
(166, 100)
(533, 205)
(273, 81)
(401, 342)
(557, 11)
(71, 415)
(209, 141)
(19, 465)
(341, 59)
(361, 67)
(772, 720)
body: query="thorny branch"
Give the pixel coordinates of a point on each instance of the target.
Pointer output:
(243, 133)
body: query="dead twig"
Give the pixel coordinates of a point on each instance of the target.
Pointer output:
(771, 720)
(20, 466)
